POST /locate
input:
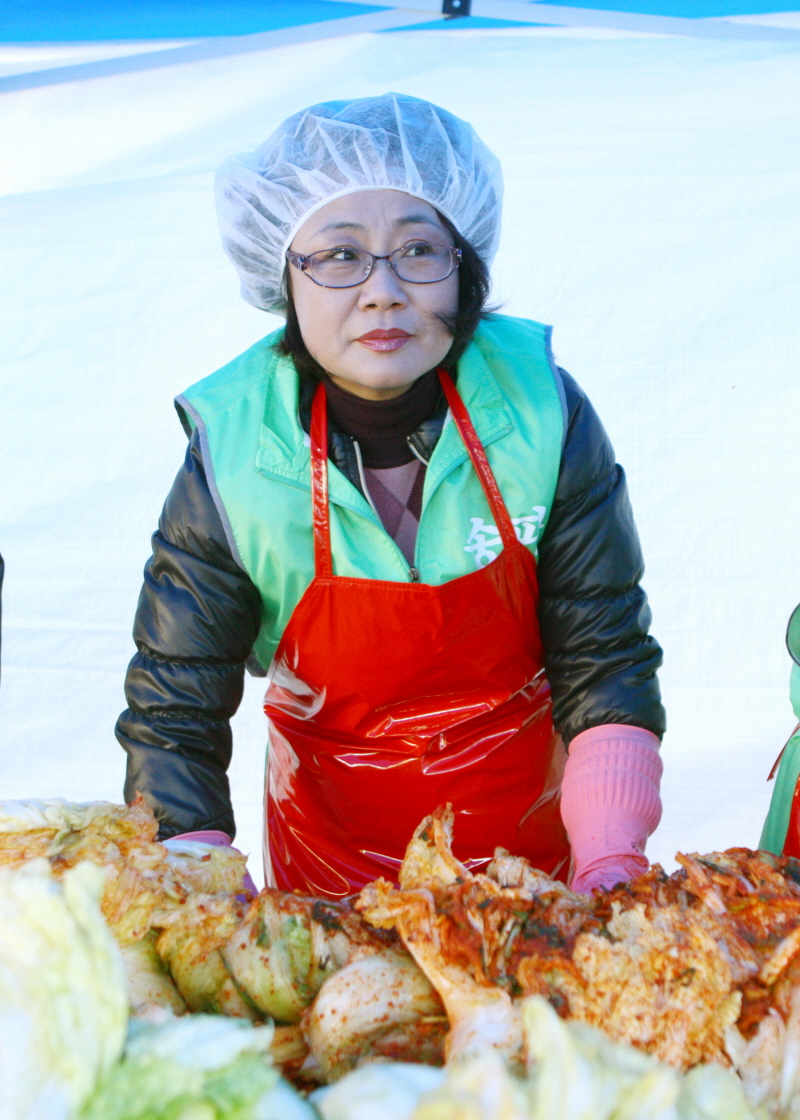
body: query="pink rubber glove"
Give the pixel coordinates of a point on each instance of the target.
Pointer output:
(610, 803)
(219, 840)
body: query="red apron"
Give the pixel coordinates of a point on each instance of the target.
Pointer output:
(387, 699)
(791, 845)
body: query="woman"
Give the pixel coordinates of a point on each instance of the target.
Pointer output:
(410, 519)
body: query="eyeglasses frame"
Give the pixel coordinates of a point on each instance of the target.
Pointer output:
(300, 263)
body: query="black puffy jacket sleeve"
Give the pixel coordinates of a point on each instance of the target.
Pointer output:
(196, 622)
(594, 617)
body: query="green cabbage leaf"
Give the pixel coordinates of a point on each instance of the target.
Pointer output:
(198, 1067)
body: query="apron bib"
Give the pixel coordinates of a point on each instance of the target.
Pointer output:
(388, 699)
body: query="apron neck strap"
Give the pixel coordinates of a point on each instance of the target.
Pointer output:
(319, 472)
(319, 483)
(476, 453)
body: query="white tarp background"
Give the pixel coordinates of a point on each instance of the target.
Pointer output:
(652, 217)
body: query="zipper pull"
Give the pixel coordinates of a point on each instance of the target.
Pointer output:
(413, 575)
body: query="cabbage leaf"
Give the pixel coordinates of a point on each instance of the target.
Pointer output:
(199, 1067)
(63, 1002)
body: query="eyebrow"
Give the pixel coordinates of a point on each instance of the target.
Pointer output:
(409, 220)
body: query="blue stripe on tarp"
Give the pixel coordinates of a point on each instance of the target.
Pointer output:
(684, 9)
(94, 20)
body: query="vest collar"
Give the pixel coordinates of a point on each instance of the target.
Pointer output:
(284, 448)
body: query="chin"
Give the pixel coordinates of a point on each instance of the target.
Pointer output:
(390, 382)
(391, 374)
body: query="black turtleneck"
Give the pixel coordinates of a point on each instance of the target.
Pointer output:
(382, 427)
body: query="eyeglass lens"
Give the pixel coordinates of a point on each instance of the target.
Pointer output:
(419, 263)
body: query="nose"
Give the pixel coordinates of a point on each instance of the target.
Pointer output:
(382, 288)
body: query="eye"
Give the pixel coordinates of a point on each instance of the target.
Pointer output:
(418, 249)
(340, 253)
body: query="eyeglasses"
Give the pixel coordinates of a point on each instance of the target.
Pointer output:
(418, 262)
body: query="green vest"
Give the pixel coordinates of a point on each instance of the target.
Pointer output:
(257, 461)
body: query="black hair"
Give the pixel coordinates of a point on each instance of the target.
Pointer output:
(474, 286)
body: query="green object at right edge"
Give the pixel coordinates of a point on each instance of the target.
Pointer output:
(776, 825)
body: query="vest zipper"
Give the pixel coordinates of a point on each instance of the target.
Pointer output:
(417, 454)
(363, 477)
(413, 573)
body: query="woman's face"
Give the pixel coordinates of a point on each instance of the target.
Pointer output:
(336, 323)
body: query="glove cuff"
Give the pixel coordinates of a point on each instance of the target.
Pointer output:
(207, 836)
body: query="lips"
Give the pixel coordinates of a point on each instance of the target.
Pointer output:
(383, 341)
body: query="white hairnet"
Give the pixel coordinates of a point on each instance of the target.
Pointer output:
(337, 148)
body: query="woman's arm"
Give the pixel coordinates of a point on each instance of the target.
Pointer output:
(196, 622)
(599, 658)
(594, 617)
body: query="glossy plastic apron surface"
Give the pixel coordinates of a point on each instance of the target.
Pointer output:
(791, 846)
(387, 699)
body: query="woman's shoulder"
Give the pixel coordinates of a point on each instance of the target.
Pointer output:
(519, 355)
(518, 350)
(512, 334)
